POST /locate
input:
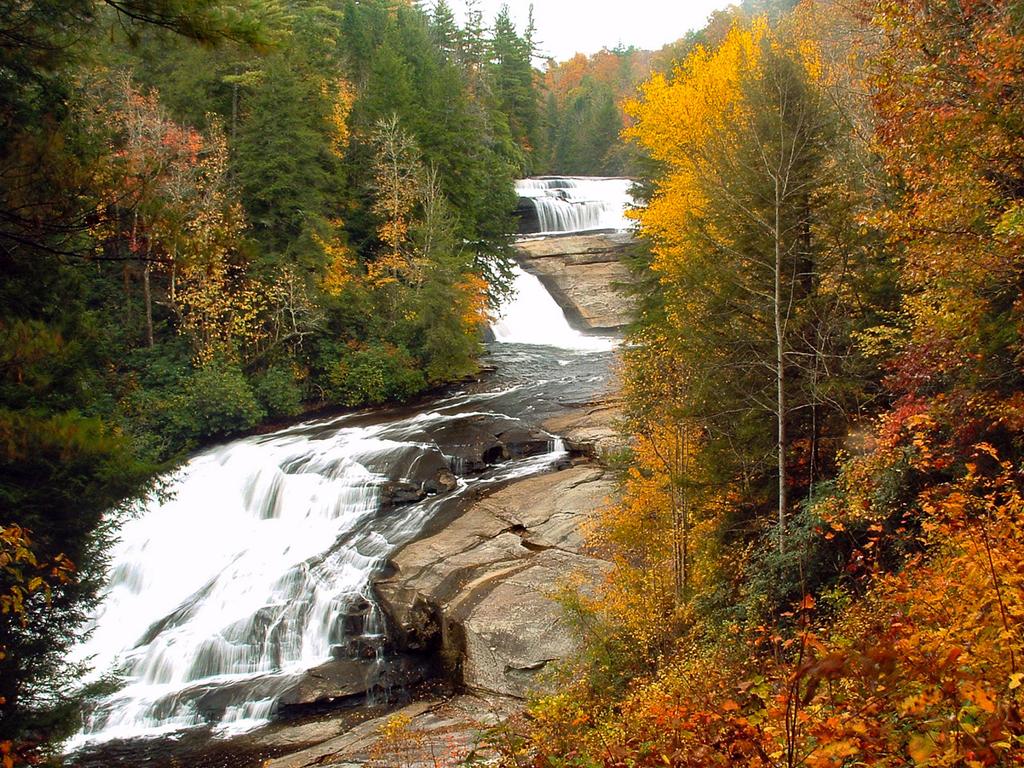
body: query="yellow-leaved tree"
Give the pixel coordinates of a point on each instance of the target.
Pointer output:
(739, 225)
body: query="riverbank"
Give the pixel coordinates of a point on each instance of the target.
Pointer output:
(478, 592)
(557, 393)
(419, 543)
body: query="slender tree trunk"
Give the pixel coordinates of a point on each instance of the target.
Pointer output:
(678, 558)
(174, 279)
(677, 467)
(234, 112)
(686, 546)
(780, 370)
(148, 295)
(684, 510)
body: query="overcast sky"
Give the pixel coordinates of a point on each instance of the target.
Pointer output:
(565, 27)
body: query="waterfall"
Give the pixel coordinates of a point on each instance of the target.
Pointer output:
(256, 562)
(533, 317)
(559, 205)
(258, 566)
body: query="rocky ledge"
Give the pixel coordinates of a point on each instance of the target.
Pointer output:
(482, 590)
(481, 593)
(584, 274)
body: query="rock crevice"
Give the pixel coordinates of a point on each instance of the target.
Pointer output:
(482, 592)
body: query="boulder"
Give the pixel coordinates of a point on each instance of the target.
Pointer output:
(512, 636)
(416, 464)
(520, 441)
(395, 493)
(339, 679)
(471, 444)
(585, 275)
(343, 679)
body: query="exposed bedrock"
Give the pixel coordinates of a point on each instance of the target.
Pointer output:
(477, 597)
(585, 275)
(482, 591)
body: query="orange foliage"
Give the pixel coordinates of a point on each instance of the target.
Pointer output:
(927, 669)
(476, 307)
(948, 97)
(913, 654)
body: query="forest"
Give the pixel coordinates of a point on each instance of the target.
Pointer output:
(818, 554)
(217, 215)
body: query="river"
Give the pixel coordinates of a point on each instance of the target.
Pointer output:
(257, 564)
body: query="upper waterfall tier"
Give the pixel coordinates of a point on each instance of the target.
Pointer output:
(553, 205)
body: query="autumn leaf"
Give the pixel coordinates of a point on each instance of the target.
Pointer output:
(921, 747)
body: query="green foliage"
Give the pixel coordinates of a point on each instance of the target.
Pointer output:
(289, 176)
(513, 83)
(375, 375)
(583, 116)
(278, 393)
(60, 473)
(187, 238)
(217, 400)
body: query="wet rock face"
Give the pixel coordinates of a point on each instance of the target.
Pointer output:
(526, 213)
(466, 447)
(474, 444)
(521, 441)
(340, 679)
(394, 493)
(343, 679)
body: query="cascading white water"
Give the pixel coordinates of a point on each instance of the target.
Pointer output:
(566, 204)
(222, 594)
(533, 317)
(248, 572)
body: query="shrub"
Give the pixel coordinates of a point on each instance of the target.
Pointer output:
(217, 400)
(278, 392)
(374, 375)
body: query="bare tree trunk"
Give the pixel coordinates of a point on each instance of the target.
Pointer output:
(677, 466)
(684, 510)
(686, 547)
(678, 558)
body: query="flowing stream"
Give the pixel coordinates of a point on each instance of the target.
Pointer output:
(257, 563)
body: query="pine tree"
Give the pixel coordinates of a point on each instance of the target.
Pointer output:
(513, 83)
(284, 163)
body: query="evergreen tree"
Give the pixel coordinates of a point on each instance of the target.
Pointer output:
(513, 83)
(290, 178)
(445, 31)
(65, 459)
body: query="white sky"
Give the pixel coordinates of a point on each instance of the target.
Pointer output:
(565, 27)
